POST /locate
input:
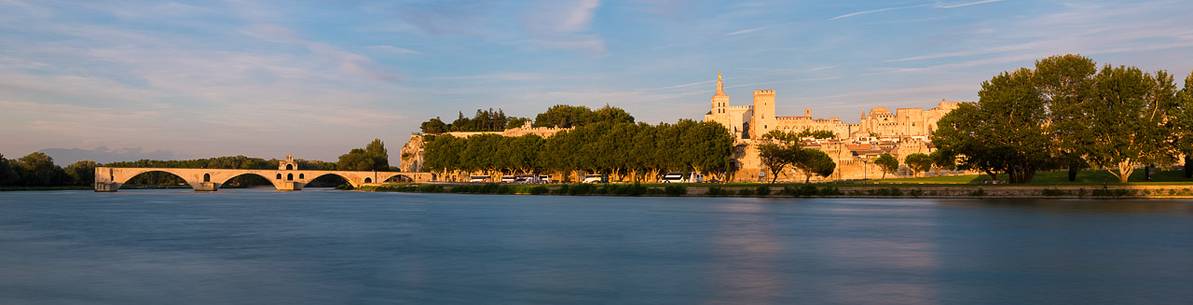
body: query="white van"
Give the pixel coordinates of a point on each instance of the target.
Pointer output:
(594, 179)
(478, 179)
(674, 178)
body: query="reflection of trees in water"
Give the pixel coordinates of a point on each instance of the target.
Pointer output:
(748, 270)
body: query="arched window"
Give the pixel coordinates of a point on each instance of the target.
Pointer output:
(206, 177)
(302, 176)
(289, 176)
(368, 180)
(279, 176)
(289, 167)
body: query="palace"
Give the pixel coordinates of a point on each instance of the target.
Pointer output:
(753, 121)
(854, 147)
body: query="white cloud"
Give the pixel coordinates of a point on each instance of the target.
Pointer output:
(946, 5)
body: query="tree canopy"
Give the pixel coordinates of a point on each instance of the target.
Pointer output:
(887, 163)
(373, 157)
(567, 116)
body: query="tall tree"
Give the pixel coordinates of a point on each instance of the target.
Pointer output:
(887, 163)
(1064, 82)
(433, 126)
(1128, 111)
(1003, 131)
(775, 158)
(1182, 125)
(373, 157)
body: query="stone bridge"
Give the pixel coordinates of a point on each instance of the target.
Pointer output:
(286, 178)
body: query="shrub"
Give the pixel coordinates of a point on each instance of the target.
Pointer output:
(675, 190)
(562, 190)
(716, 191)
(830, 191)
(539, 190)
(1104, 192)
(762, 190)
(430, 188)
(745, 192)
(916, 193)
(581, 189)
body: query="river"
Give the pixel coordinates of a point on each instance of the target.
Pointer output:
(333, 247)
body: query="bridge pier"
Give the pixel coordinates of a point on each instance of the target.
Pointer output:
(106, 186)
(205, 187)
(288, 186)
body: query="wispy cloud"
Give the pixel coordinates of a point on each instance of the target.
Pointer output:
(946, 5)
(874, 11)
(746, 31)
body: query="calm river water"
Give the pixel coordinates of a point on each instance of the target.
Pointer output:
(332, 247)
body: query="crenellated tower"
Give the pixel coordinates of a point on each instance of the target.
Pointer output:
(764, 113)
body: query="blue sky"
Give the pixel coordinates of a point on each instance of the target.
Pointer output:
(194, 79)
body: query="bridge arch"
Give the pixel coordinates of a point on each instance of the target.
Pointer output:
(134, 175)
(316, 176)
(250, 173)
(401, 177)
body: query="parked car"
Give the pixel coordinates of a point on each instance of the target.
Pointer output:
(595, 179)
(544, 179)
(479, 178)
(674, 178)
(508, 179)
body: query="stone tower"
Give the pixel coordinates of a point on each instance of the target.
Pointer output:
(764, 113)
(720, 101)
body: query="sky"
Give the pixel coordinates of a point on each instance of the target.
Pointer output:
(122, 80)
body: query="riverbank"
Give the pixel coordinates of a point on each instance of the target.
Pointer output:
(1093, 191)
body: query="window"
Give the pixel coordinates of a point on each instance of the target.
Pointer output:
(279, 176)
(289, 167)
(301, 176)
(206, 177)
(289, 176)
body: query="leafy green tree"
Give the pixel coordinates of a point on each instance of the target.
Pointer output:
(1182, 125)
(775, 158)
(1064, 82)
(943, 160)
(1003, 131)
(918, 163)
(515, 122)
(434, 126)
(1128, 110)
(82, 172)
(38, 169)
(563, 116)
(887, 163)
(612, 115)
(373, 157)
(812, 162)
(8, 172)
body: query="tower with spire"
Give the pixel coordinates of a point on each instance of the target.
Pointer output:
(720, 101)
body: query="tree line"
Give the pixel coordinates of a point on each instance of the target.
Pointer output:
(483, 120)
(623, 150)
(562, 116)
(38, 169)
(1066, 112)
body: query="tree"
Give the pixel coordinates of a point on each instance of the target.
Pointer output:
(1002, 132)
(38, 169)
(812, 162)
(918, 163)
(1128, 109)
(82, 172)
(1182, 125)
(943, 160)
(373, 157)
(8, 172)
(775, 158)
(563, 116)
(887, 163)
(1064, 82)
(515, 122)
(434, 126)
